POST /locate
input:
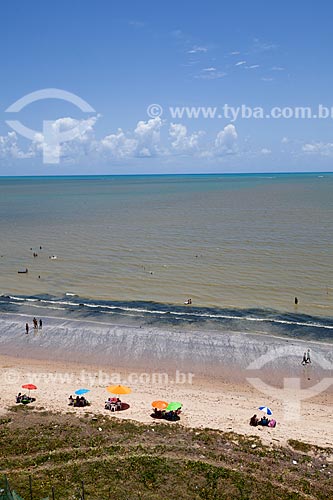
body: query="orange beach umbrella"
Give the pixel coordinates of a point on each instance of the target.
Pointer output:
(160, 405)
(119, 389)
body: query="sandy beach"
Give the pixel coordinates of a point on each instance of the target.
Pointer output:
(209, 400)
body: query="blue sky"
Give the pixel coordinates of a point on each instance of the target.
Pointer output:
(120, 57)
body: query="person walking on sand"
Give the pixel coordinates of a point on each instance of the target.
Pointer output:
(35, 323)
(26, 328)
(308, 358)
(304, 360)
(40, 324)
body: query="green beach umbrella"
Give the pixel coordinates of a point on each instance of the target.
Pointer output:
(173, 406)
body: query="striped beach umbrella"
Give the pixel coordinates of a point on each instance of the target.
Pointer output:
(266, 410)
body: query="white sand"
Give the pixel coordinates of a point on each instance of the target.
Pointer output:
(208, 402)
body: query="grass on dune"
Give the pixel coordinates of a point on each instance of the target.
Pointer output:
(121, 459)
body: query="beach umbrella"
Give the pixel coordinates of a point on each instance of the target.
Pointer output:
(30, 387)
(119, 389)
(265, 409)
(173, 406)
(79, 392)
(160, 405)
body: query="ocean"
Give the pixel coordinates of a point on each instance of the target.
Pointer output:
(242, 247)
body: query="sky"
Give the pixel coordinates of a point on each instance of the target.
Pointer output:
(133, 87)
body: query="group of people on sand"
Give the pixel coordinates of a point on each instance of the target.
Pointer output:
(264, 421)
(37, 324)
(113, 404)
(23, 398)
(171, 415)
(306, 358)
(79, 401)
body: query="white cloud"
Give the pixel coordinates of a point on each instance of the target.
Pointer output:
(148, 136)
(181, 141)
(196, 49)
(9, 147)
(321, 148)
(284, 140)
(265, 151)
(80, 130)
(144, 141)
(253, 66)
(210, 74)
(240, 63)
(226, 140)
(7, 143)
(118, 145)
(80, 140)
(310, 148)
(260, 46)
(136, 23)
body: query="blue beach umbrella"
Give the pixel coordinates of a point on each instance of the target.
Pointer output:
(79, 392)
(266, 410)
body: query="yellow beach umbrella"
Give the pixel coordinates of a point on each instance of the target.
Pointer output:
(119, 389)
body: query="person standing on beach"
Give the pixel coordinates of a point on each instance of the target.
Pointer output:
(35, 323)
(308, 358)
(304, 361)
(26, 328)
(40, 324)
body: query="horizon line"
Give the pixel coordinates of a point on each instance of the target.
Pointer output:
(167, 174)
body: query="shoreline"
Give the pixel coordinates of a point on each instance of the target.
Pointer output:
(278, 323)
(232, 356)
(253, 333)
(71, 353)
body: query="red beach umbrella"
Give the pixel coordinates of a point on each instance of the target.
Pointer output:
(30, 387)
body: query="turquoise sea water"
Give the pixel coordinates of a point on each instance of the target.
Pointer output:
(230, 242)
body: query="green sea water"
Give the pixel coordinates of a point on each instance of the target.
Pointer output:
(224, 240)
